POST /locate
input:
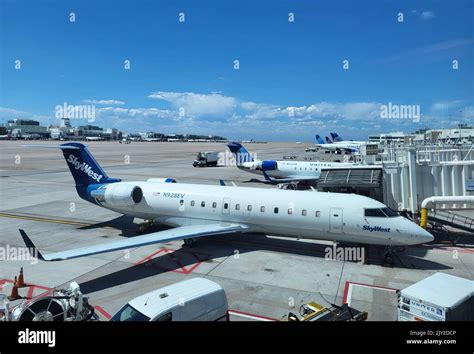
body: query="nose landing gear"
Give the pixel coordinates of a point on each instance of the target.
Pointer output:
(390, 252)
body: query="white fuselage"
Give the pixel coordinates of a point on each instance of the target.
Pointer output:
(305, 214)
(343, 145)
(286, 169)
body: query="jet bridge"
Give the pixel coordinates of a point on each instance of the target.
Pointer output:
(457, 221)
(366, 181)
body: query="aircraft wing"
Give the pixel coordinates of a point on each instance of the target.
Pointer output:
(178, 233)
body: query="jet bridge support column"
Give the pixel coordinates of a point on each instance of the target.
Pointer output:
(404, 187)
(412, 180)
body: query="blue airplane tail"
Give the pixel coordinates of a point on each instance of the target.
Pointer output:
(84, 168)
(335, 137)
(319, 140)
(328, 140)
(240, 153)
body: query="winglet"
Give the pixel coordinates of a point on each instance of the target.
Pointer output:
(34, 252)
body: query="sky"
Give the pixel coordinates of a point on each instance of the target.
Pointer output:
(263, 70)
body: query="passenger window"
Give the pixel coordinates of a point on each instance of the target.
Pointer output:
(226, 206)
(203, 204)
(192, 203)
(214, 205)
(165, 318)
(317, 214)
(237, 206)
(262, 209)
(303, 212)
(290, 211)
(249, 208)
(275, 210)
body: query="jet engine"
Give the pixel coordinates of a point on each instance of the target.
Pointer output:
(269, 165)
(119, 194)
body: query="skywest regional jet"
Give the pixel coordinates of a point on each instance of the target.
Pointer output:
(202, 210)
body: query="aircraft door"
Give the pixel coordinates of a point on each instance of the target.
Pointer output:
(225, 205)
(335, 220)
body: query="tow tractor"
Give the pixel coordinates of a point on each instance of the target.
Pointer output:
(315, 312)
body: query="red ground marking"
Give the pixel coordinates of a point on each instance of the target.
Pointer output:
(348, 284)
(31, 289)
(252, 315)
(182, 268)
(103, 312)
(449, 248)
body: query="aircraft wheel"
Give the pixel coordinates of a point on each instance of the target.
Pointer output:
(189, 242)
(388, 260)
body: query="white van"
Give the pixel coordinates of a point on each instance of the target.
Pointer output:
(196, 299)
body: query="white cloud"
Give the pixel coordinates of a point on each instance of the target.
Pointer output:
(197, 105)
(327, 110)
(468, 114)
(427, 15)
(444, 106)
(13, 113)
(10, 113)
(104, 102)
(135, 112)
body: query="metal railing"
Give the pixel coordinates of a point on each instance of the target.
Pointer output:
(455, 220)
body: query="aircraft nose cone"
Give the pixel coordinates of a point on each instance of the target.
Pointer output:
(424, 236)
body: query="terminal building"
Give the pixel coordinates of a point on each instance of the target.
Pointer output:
(464, 134)
(414, 169)
(414, 173)
(22, 127)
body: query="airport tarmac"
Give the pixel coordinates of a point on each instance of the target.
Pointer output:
(264, 277)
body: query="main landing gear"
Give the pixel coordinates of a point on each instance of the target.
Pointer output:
(145, 226)
(190, 242)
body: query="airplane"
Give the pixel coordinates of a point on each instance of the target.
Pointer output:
(337, 139)
(282, 171)
(94, 138)
(348, 146)
(204, 210)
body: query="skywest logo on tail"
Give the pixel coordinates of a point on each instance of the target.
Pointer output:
(84, 168)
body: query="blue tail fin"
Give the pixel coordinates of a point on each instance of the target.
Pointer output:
(328, 140)
(240, 153)
(84, 168)
(319, 140)
(336, 138)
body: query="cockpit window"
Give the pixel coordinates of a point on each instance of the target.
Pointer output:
(374, 213)
(390, 213)
(380, 213)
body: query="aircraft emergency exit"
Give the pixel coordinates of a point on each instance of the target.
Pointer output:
(203, 210)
